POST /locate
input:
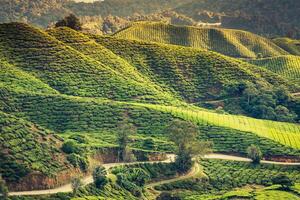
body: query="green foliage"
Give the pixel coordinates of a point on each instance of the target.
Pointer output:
(99, 177)
(283, 180)
(254, 153)
(70, 147)
(78, 161)
(76, 184)
(287, 66)
(230, 174)
(234, 43)
(27, 147)
(70, 21)
(124, 130)
(288, 44)
(3, 189)
(184, 135)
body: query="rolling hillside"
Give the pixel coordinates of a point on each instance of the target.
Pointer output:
(49, 60)
(62, 82)
(290, 45)
(285, 66)
(193, 73)
(30, 155)
(234, 43)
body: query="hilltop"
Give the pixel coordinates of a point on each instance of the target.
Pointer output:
(234, 43)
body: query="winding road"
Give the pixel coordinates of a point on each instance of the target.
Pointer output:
(170, 158)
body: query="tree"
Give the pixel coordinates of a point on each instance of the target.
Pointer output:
(99, 177)
(254, 153)
(125, 129)
(70, 21)
(70, 147)
(283, 180)
(184, 135)
(76, 184)
(3, 189)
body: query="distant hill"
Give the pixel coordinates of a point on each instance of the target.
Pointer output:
(265, 17)
(286, 66)
(229, 42)
(290, 45)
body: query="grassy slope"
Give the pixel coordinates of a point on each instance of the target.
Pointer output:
(93, 116)
(290, 45)
(26, 148)
(90, 48)
(67, 70)
(234, 43)
(11, 77)
(286, 66)
(192, 73)
(75, 105)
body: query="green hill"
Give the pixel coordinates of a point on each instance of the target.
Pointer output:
(62, 82)
(234, 43)
(66, 69)
(286, 66)
(11, 77)
(195, 74)
(28, 152)
(290, 45)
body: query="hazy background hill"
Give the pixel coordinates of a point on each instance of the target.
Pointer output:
(270, 18)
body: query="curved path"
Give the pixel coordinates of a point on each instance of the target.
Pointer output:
(192, 173)
(170, 158)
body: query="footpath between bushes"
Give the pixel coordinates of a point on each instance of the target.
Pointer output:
(170, 158)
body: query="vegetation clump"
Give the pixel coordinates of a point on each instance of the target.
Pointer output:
(184, 135)
(283, 180)
(99, 177)
(70, 21)
(254, 153)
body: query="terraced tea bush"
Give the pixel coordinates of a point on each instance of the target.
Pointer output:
(286, 66)
(229, 42)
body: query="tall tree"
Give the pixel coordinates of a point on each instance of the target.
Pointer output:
(99, 176)
(125, 129)
(254, 153)
(184, 135)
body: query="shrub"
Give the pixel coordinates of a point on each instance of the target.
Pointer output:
(283, 180)
(99, 176)
(70, 21)
(76, 184)
(78, 161)
(70, 147)
(3, 189)
(254, 153)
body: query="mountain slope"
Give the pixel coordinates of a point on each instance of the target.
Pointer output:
(290, 45)
(286, 66)
(65, 69)
(28, 152)
(233, 43)
(265, 17)
(90, 48)
(11, 77)
(192, 73)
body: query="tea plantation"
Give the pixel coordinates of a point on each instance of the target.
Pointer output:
(229, 42)
(62, 87)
